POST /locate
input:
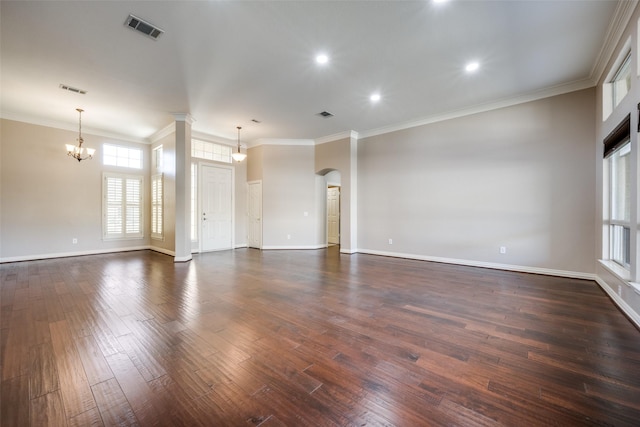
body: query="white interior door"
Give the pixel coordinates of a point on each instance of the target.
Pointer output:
(216, 205)
(254, 213)
(333, 215)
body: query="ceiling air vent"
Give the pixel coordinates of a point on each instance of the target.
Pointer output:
(73, 89)
(143, 26)
(325, 114)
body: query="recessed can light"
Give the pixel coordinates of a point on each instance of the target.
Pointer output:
(375, 97)
(322, 59)
(472, 66)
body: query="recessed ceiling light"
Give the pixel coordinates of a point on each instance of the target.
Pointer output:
(472, 66)
(440, 1)
(375, 97)
(322, 59)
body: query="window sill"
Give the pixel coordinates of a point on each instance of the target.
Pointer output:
(617, 270)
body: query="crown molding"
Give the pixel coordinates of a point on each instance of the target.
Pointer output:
(183, 117)
(618, 24)
(165, 131)
(481, 108)
(337, 137)
(276, 141)
(213, 138)
(56, 124)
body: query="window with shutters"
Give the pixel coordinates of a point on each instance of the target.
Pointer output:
(122, 206)
(157, 190)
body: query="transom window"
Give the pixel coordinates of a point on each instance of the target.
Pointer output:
(621, 81)
(211, 151)
(117, 155)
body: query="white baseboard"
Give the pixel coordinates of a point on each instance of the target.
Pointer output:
(626, 308)
(72, 254)
(244, 245)
(293, 247)
(496, 266)
(163, 251)
(349, 251)
(182, 258)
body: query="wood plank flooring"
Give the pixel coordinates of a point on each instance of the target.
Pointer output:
(308, 338)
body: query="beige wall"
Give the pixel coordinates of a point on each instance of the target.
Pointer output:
(288, 191)
(520, 177)
(48, 198)
(336, 155)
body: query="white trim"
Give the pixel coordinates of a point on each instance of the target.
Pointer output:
(71, 254)
(56, 124)
(616, 269)
(183, 258)
(278, 141)
(482, 264)
(183, 117)
(626, 308)
(349, 251)
(201, 136)
(621, 17)
(270, 248)
(162, 250)
(481, 108)
(240, 246)
(165, 131)
(337, 137)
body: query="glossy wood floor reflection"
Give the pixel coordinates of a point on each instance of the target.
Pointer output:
(308, 338)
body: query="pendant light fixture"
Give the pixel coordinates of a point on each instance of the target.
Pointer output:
(78, 151)
(238, 156)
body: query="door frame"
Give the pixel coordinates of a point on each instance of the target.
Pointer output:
(249, 183)
(202, 164)
(326, 213)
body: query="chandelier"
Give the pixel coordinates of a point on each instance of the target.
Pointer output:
(78, 151)
(238, 156)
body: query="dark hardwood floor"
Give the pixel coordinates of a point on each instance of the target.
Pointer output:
(308, 338)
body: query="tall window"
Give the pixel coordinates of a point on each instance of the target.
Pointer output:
(116, 155)
(617, 150)
(157, 190)
(621, 81)
(122, 206)
(158, 158)
(194, 202)
(211, 151)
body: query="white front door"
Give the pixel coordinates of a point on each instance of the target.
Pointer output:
(216, 202)
(254, 215)
(333, 215)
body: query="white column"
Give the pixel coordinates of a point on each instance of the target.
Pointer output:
(183, 187)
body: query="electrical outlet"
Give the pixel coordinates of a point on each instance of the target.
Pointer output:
(306, 214)
(619, 290)
(391, 241)
(503, 249)
(288, 236)
(74, 241)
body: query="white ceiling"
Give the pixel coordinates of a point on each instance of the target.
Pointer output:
(228, 62)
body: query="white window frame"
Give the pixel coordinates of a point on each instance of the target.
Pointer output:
(122, 156)
(194, 203)
(125, 204)
(211, 151)
(611, 96)
(157, 207)
(158, 158)
(620, 229)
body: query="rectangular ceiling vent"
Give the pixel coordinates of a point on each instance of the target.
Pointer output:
(73, 89)
(143, 26)
(325, 114)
